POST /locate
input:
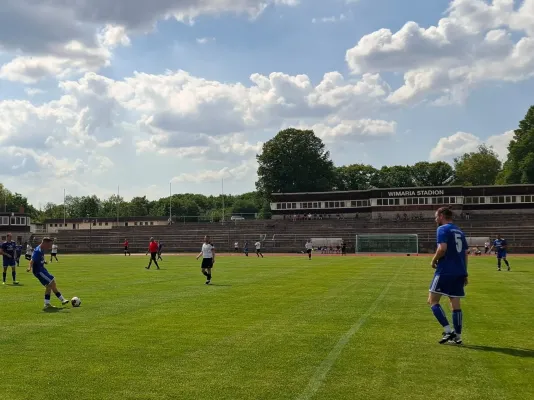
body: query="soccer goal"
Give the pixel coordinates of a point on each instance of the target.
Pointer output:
(387, 243)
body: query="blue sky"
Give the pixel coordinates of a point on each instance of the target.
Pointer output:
(137, 95)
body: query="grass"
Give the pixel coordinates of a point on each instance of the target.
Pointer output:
(274, 328)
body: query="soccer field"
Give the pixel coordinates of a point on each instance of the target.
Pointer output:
(272, 328)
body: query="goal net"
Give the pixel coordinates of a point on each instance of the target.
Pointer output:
(385, 243)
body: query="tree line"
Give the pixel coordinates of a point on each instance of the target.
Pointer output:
(298, 161)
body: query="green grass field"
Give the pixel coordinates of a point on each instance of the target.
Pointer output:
(273, 328)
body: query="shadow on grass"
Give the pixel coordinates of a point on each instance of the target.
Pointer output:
(52, 310)
(524, 353)
(216, 284)
(14, 284)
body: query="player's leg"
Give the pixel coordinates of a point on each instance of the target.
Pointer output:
(154, 255)
(499, 259)
(457, 318)
(14, 274)
(48, 291)
(150, 262)
(506, 261)
(433, 300)
(53, 287)
(4, 274)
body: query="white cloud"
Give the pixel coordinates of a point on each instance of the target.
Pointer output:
(33, 91)
(112, 36)
(471, 45)
(460, 143)
(332, 19)
(240, 172)
(205, 40)
(335, 130)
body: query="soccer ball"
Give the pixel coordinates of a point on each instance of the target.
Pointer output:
(76, 302)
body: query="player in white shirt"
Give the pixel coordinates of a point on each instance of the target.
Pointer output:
(258, 249)
(208, 258)
(309, 248)
(486, 247)
(29, 252)
(53, 252)
(236, 247)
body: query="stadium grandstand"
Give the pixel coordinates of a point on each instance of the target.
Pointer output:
(18, 224)
(396, 215)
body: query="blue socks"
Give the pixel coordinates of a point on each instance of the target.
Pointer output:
(58, 295)
(457, 319)
(14, 275)
(4, 276)
(440, 315)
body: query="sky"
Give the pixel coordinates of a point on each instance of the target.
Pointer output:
(148, 97)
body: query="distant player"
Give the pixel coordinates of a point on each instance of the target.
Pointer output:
(343, 249)
(153, 250)
(258, 249)
(208, 258)
(501, 246)
(39, 271)
(160, 249)
(8, 251)
(309, 248)
(18, 254)
(53, 253)
(486, 248)
(29, 252)
(245, 248)
(126, 247)
(450, 278)
(236, 247)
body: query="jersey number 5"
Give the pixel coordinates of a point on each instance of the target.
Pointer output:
(459, 244)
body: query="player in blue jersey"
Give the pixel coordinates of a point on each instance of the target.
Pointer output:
(450, 263)
(501, 246)
(9, 256)
(18, 254)
(37, 267)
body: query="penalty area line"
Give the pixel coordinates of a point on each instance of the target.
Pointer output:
(322, 371)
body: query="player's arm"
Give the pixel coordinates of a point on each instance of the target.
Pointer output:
(440, 252)
(442, 247)
(213, 255)
(2, 253)
(199, 255)
(466, 273)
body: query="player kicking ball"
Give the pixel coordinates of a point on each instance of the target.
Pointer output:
(450, 278)
(40, 272)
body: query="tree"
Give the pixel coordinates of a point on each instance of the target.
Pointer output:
(477, 168)
(395, 176)
(139, 207)
(519, 167)
(432, 174)
(355, 177)
(294, 161)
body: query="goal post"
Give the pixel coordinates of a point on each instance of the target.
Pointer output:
(387, 243)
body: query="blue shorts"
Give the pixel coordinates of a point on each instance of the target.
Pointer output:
(44, 276)
(501, 254)
(9, 262)
(451, 286)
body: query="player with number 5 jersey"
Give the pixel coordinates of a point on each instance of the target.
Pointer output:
(450, 277)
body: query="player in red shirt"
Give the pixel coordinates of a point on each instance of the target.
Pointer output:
(126, 250)
(153, 250)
